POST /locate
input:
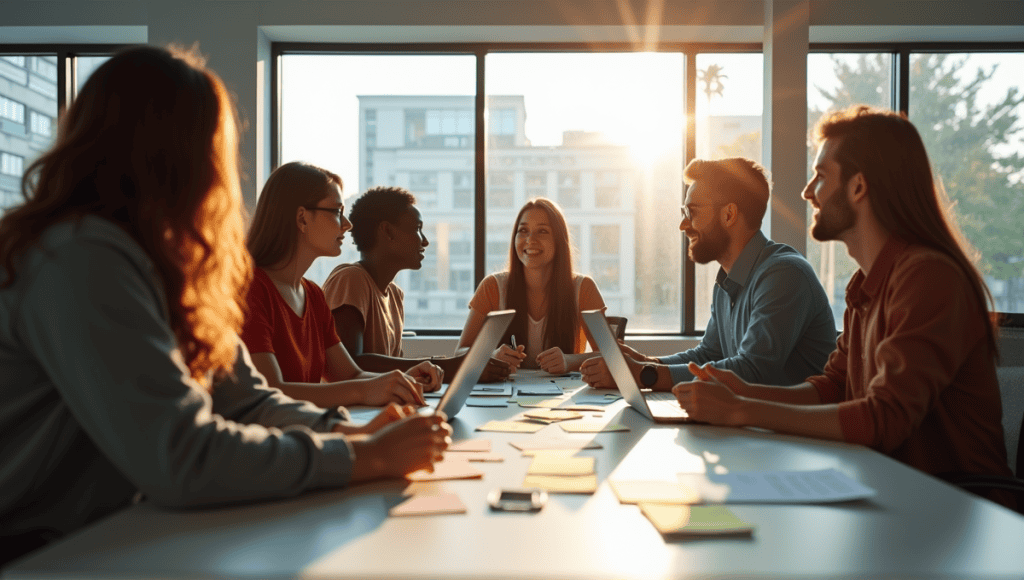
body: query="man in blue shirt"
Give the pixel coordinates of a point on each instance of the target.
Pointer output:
(771, 322)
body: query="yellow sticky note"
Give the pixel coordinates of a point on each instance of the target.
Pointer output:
(563, 483)
(471, 445)
(552, 414)
(432, 504)
(700, 520)
(510, 427)
(539, 402)
(654, 492)
(591, 427)
(460, 469)
(560, 464)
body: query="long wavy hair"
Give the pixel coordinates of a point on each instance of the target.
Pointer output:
(151, 145)
(274, 233)
(563, 319)
(886, 147)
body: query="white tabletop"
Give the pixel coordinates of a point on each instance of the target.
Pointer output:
(915, 527)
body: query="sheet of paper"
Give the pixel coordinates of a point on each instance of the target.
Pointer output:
(548, 389)
(484, 457)
(560, 464)
(436, 394)
(447, 469)
(510, 427)
(562, 483)
(592, 408)
(553, 414)
(545, 402)
(471, 445)
(429, 504)
(541, 444)
(492, 390)
(585, 426)
(698, 520)
(485, 402)
(821, 486)
(654, 492)
(595, 399)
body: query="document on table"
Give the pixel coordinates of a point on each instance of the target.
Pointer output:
(821, 486)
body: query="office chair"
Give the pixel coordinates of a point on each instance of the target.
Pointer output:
(1011, 387)
(618, 326)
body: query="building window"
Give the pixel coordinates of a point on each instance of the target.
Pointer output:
(45, 66)
(12, 164)
(40, 124)
(12, 110)
(16, 60)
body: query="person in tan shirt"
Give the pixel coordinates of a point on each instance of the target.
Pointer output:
(364, 300)
(913, 375)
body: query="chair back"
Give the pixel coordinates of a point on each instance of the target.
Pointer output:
(618, 326)
(1011, 388)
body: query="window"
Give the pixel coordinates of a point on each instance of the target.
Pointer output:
(12, 110)
(836, 81)
(969, 110)
(11, 164)
(40, 124)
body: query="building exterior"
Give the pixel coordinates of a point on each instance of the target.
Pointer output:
(28, 117)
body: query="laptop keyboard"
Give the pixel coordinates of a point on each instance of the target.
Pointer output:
(664, 404)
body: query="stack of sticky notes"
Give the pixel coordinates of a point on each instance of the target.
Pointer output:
(561, 472)
(695, 520)
(429, 505)
(478, 450)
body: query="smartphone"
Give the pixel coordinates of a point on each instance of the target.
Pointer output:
(517, 500)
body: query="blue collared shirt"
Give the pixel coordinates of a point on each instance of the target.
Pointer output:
(771, 322)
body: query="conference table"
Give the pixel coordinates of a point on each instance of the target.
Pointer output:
(914, 527)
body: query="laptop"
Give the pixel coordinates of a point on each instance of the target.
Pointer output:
(659, 406)
(476, 360)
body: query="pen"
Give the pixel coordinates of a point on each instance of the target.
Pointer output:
(514, 341)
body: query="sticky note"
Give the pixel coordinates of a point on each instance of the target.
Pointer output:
(429, 504)
(531, 445)
(654, 492)
(553, 414)
(471, 445)
(560, 464)
(562, 483)
(447, 470)
(701, 520)
(510, 427)
(538, 402)
(591, 427)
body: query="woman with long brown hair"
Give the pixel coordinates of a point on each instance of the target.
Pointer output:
(289, 329)
(547, 331)
(122, 279)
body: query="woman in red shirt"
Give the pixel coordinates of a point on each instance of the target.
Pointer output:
(288, 328)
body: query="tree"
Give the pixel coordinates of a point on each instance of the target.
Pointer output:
(974, 148)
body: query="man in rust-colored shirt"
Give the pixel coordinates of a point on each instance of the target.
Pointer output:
(913, 375)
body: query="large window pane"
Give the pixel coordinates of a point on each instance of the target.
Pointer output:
(28, 117)
(730, 100)
(969, 109)
(394, 120)
(836, 81)
(602, 135)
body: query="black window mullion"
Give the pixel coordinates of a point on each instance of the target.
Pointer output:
(480, 174)
(65, 80)
(689, 273)
(902, 61)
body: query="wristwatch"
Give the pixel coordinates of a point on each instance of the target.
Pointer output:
(648, 376)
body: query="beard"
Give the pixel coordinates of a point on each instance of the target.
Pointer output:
(710, 245)
(834, 217)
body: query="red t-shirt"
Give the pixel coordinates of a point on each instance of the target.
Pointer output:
(299, 343)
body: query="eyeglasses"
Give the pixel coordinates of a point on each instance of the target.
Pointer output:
(687, 211)
(337, 211)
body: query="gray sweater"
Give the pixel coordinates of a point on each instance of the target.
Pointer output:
(97, 405)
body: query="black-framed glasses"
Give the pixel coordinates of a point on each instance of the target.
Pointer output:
(337, 211)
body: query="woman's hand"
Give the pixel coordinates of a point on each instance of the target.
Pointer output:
(402, 447)
(496, 371)
(513, 356)
(552, 361)
(392, 387)
(388, 415)
(428, 375)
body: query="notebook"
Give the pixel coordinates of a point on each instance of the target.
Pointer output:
(476, 360)
(660, 407)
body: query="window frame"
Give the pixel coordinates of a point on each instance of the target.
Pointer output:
(689, 50)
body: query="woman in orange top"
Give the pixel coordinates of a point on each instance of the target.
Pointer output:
(547, 295)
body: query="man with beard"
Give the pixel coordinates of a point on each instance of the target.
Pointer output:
(913, 374)
(770, 319)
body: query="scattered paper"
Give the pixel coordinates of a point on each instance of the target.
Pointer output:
(596, 408)
(596, 399)
(539, 444)
(492, 390)
(546, 402)
(821, 486)
(454, 469)
(591, 427)
(471, 445)
(538, 389)
(510, 427)
(429, 504)
(560, 464)
(553, 414)
(485, 402)
(562, 484)
(714, 520)
(654, 492)
(484, 457)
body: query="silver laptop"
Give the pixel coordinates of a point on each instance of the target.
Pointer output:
(660, 406)
(476, 360)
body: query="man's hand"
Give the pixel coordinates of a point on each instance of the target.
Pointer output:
(428, 375)
(388, 415)
(402, 447)
(596, 374)
(552, 361)
(712, 396)
(635, 354)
